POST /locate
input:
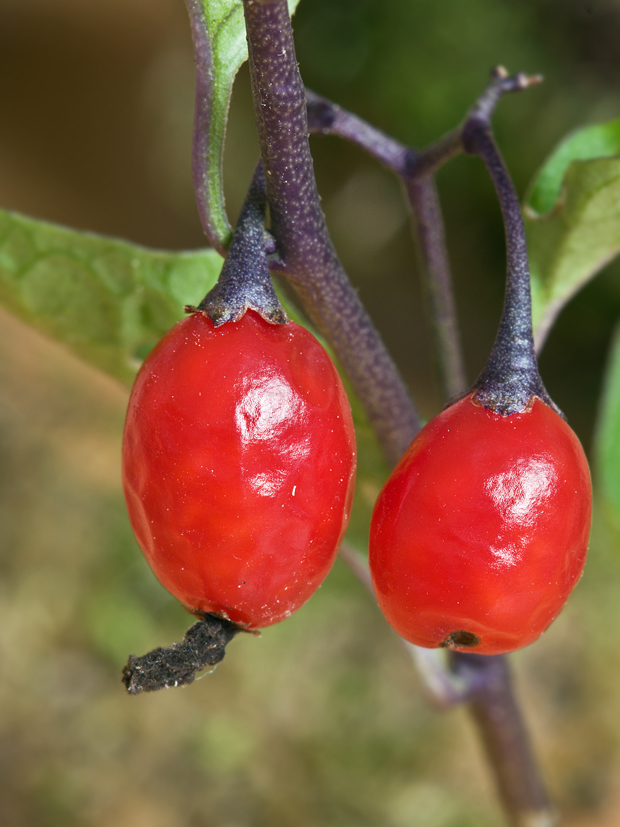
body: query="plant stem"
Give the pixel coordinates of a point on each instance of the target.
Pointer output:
(208, 206)
(495, 710)
(510, 377)
(327, 118)
(306, 254)
(429, 231)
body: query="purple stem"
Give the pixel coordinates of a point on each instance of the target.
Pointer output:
(495, 710)
(328, 118)
(510, 377)
(484, 682)
(429, 231)
(306, 254)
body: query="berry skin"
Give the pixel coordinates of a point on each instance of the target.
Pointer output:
(239, 465)
(481, 532)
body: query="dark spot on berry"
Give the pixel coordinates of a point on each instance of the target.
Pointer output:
(460, 640)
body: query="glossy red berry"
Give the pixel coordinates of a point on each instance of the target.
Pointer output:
(239, 465)
(481, 531)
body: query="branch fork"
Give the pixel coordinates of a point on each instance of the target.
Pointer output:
(300, 249)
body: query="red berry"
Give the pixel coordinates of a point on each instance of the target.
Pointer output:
(239, 465)
(481, 531)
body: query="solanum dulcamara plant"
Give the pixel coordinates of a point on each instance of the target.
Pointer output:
(240, 445)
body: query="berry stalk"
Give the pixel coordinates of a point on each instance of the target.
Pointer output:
(203, 646)
(510, 378)
(245, 280)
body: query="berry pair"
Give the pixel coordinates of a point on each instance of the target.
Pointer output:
(239, 464)
(239, 459)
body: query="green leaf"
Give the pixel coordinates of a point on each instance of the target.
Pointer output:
(599, 141)
(107, 300)
(572, 219)
(221, 49)
(607, 439)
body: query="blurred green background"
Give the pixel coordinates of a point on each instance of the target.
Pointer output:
(322, 720)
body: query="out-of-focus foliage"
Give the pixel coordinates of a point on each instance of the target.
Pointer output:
(608, 435)
(598, 141)
(573, 219)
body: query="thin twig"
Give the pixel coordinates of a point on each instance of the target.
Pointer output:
(429, 232)
(327, 118)
(510, 377)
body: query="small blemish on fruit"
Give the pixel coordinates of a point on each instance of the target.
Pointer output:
(460, 640)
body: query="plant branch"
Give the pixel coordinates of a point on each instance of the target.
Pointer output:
(305, 251)
(326, 117)
(429, 231)
(416, 171)
(482, 682)
(495, 710)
